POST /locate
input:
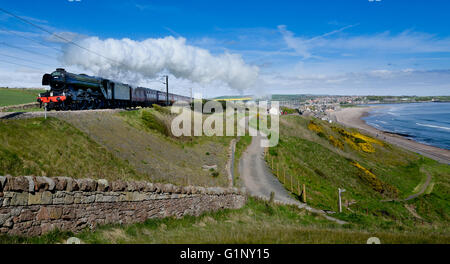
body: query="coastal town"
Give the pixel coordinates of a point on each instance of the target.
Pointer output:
(322, 107)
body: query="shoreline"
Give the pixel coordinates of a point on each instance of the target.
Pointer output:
(352, 117)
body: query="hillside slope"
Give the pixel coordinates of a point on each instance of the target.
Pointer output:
(159, 157)
(326, 157)
(53, 147)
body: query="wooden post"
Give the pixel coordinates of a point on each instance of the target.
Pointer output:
(304, 193)
(272, 196)
(298, 188)
(292, 190)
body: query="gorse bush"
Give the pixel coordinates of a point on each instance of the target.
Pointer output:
(376, 183)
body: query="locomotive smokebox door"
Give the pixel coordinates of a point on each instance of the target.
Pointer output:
(46, 79)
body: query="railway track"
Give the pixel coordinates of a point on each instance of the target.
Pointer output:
(24, 115)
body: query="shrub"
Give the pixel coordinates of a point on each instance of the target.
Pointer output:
(374, 182)
(315, 127)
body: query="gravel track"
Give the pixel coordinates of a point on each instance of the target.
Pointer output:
(259, 180)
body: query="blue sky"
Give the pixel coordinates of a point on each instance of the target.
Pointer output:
(320, 47)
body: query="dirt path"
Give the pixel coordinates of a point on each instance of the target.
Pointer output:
(257, 177)
(422, 190)
(259, 180)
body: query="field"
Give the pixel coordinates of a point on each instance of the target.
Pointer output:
(15, 96)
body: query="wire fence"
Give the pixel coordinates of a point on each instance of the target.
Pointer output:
(289, 181)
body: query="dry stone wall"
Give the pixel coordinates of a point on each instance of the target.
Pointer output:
(36, 205)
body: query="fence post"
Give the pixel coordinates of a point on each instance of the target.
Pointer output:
(304, 193)
(292, 190)
(298, 188)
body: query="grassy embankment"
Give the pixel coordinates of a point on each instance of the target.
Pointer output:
(326, 157)
(16, 96)
(55, 148)
(127, 145)
(257, 222)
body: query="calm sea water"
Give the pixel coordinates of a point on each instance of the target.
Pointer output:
(427, 123)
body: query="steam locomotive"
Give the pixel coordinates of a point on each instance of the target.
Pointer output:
(69, 91)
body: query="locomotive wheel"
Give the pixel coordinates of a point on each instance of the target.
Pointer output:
(82, 105)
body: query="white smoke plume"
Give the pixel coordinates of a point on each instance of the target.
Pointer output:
(137, 60)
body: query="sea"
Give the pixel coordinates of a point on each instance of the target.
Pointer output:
(427, 123)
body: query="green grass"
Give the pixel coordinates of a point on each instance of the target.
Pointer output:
(311, 159)
(33, 109)
(52, 147)
(160, 158)
(15, 96)
(257, 222)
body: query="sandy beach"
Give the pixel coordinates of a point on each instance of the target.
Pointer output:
(352, 117)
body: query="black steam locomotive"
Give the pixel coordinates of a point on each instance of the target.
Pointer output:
(69, 91)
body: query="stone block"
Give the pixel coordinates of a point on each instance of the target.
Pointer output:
(72, 185)
(4, 218)
(69, 199)
(132, 186)
(149, 187)
(34, 198)
(60, 183)
(2, 182)
(87, 199)
(140, 186)
(51, 183)
(19, 199)
(167, 188)
(158, 187)
(106, 198)
(31, 183)
(40, 184)
(46, 198)
(17, 184)
(118, 186)
(102, 185)
(87, 185)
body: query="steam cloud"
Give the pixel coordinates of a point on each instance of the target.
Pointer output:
(135, 60)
